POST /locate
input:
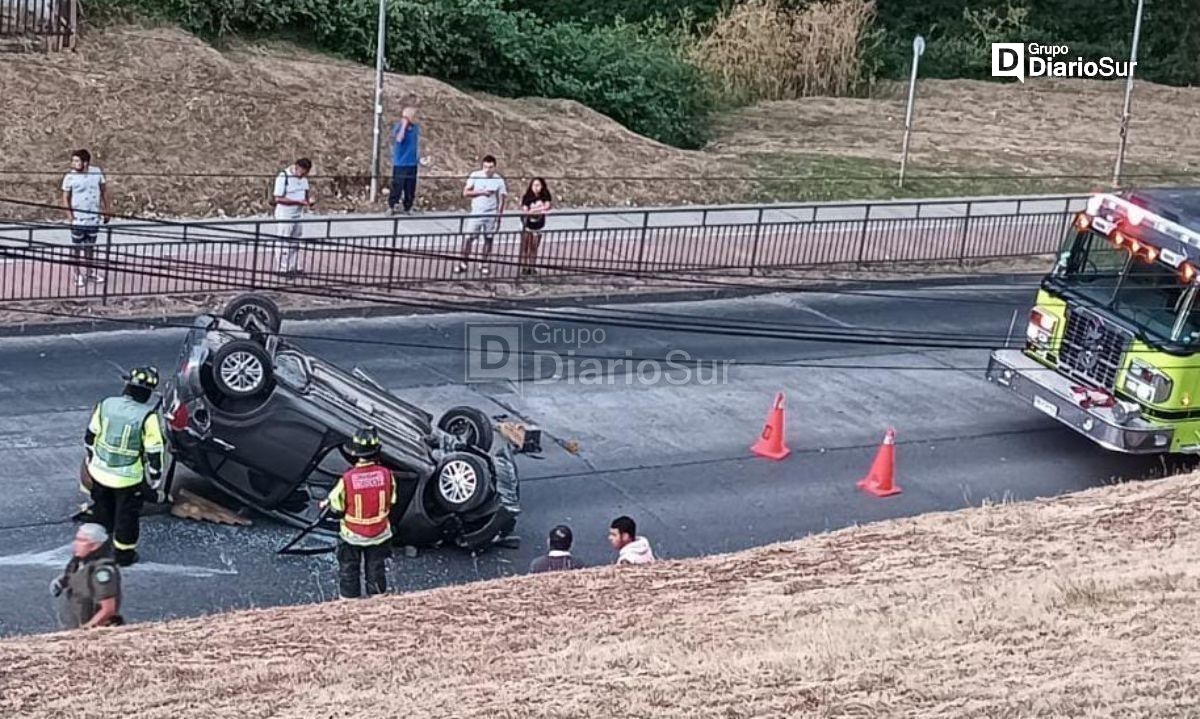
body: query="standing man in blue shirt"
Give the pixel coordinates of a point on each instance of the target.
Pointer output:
(406, 154)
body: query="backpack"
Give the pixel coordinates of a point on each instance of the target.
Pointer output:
(271, 193)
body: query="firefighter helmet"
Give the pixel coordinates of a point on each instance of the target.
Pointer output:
(364, 444)
(143, 377)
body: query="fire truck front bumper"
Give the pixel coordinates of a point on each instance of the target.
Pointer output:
(1050, 392)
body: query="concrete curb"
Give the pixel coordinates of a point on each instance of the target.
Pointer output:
(43, 329)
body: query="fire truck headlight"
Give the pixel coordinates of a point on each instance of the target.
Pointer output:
(1147, 383)
(1041, 328)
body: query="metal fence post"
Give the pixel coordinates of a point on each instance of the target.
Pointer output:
(107, 262)
(758, 223)
(862, 236)
(642, 241)
(395, 250)
(966, 228)
(254, 256)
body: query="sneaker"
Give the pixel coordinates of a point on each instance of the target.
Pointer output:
(97, 278)
(126, 558)
(81, 280)
(484, 271)
(460, 268)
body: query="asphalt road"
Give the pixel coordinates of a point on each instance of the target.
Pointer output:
(674, 455)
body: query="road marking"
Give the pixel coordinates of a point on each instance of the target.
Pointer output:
(828, 318)
(58, 558)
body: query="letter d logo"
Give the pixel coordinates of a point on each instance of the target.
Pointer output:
(1008, 60)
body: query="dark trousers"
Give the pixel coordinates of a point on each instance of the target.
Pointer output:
(354, 562)
(119, 512)
(404, 181)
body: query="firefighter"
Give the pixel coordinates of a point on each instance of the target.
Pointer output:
(364, 497)
(124, 447)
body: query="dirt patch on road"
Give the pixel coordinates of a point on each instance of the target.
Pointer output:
(1079, 606)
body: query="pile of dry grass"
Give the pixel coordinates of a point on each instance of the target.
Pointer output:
(1084, 605)
(161, 102)
(758, 50)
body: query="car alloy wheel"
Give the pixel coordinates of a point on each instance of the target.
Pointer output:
(457, 481)
(242, 371)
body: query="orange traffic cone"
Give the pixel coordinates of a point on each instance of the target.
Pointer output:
(770, 442)
(880, 481)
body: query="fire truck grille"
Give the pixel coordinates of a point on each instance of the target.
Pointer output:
(1092, 348)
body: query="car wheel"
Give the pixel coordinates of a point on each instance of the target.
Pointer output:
(251, 311)
(470, 425)
(241, 368)
(462, 483)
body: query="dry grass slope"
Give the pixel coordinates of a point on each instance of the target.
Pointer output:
(1079, 606)
(162, 101)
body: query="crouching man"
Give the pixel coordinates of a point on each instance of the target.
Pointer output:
(363, 497)
(91, 582)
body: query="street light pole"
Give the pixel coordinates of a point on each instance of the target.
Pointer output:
(378, 99)
(918, 50)
(1137, 32)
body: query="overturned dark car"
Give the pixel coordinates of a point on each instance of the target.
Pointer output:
(265, 422)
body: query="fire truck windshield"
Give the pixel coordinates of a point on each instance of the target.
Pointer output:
(1149, 295)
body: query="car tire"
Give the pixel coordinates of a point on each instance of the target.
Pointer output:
(470, 425)
(242, 308)
(462, 482)
(241, 369)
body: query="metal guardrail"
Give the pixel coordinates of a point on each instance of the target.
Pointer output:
(55, 20)
(157, 259)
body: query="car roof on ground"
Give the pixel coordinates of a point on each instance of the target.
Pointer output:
(1178, 204)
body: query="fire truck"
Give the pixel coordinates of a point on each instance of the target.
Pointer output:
(1112, 344)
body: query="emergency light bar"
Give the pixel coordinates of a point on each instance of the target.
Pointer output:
(1138, 216)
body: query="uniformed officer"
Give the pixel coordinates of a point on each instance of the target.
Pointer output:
(364, 497)
(124, 447)
(91, 581)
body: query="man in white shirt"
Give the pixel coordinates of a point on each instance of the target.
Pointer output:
(85, 196)
(488, 194)
(291, 196)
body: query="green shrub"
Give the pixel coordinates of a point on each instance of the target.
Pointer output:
(593, 13)
(960, 32)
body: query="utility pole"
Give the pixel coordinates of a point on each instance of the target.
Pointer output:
(379, 43)
(918, 50)
(1137, 32)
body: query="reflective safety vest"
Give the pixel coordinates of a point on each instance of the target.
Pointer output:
(366, 497)
(117, 450)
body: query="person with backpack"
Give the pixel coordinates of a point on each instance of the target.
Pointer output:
(290, 196)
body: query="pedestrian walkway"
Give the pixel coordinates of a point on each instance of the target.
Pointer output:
(418, 224)
(603, 245)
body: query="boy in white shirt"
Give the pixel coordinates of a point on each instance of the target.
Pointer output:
(85, 196)
(488, 194)
(291, 196)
